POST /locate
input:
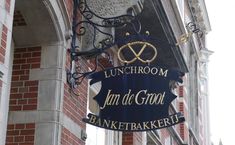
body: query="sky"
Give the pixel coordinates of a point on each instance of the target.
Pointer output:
(222, 70)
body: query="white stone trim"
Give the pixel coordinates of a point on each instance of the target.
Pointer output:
(5, 92)
(45, 117)
(53, 64)
(45, 74)
(71, 126)
(3, 15)
(57, 14)
(49, 118)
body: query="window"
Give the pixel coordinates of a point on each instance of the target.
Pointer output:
(96, 135)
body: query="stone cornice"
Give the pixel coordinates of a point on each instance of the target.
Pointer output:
(205, 53)
(165, 11)
(199, 13)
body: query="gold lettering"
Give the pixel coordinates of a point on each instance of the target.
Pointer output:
(111, 99)
(166, 121)
(145, 125)
(98, 122)
(113, 125)
(106, 123)
(163, 73)
(152, 99)
(127, 125)
(149, 98)
(152, 71)
(113, 72)
(152, 123)
(136, 70)
(139, 127)
(106, 75)
(127, 98)
(116, 99)
(147, 71)
(177, 119)
(133, 126)
(120, 71)
(140, 70)
(133, 70)
(158, 98)
(92, 119)
(130, 100)
(160, 123)
(121, 125)
(137, 97)
(161, 100)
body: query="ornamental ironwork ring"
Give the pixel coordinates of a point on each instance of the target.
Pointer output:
(130, 45)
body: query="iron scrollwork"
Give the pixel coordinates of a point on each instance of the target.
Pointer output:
(83, 15)
(193, 29)
(97, 23)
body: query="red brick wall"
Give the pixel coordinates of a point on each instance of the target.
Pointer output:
(182, 107)
(127, 138)
(20, 134)
(24, 92)
(67, 138)
(3, 43)
(183, 129)
(181, 91)
(132, 138)
(75, 106)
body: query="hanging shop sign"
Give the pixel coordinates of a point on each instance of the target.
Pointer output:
(135, 97)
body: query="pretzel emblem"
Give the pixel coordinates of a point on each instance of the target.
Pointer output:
(145, 45)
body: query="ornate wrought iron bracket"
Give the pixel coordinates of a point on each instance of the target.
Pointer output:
(84, 17)
(193, 29)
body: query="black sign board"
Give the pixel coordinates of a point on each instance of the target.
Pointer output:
(135, 98)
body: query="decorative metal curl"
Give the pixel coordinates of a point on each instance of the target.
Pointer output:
(75, 75)
(97, 22)
(194, 29)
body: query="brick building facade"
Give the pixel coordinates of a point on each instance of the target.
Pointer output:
(37, 106)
